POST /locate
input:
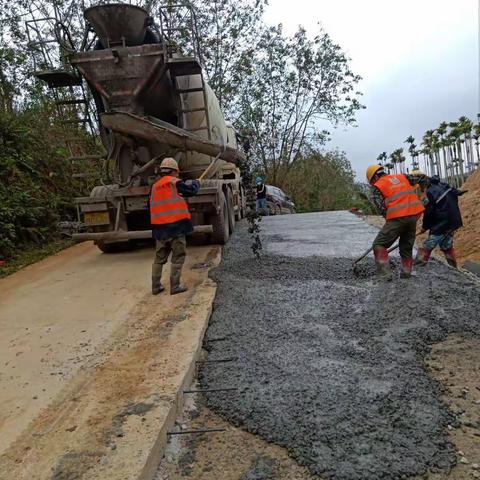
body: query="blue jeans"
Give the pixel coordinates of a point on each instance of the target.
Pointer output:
(444, 241)
(262, 205)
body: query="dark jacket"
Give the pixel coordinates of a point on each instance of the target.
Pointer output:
(261, 191)
(442, 213)
(182, 227)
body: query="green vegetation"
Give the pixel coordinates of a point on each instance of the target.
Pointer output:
(32, 253)
(324, 181)
(275, 88)
(36, 187)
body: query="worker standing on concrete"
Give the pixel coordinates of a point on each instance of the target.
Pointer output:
(442, 217)
(398, 203)
(171, 222)
(261, 205)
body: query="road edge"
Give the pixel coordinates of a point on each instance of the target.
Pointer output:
(158, 449)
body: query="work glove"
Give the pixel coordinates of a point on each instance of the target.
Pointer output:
(193, 183)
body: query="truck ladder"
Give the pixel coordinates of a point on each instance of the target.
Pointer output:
(185, 68)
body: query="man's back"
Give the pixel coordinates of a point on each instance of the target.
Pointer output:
(442, 213)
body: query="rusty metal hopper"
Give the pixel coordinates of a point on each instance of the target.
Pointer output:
(128, 78)
(118, 24)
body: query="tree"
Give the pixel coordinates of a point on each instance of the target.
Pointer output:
(441, 132)
(290, 84)
(412, 149)
(465, 127)
(228, 35)
(322, 181)
(476, 137)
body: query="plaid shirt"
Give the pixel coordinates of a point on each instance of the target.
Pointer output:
(379, 201)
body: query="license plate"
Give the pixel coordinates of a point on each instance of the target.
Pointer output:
(97, 218)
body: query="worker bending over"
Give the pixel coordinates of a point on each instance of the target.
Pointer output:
(395, 198)
(171, 222)
(442, 217)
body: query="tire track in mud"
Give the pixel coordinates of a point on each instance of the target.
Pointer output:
(331, 366)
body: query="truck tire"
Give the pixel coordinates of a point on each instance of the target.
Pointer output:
(278, 209)
(241, 205)
(231, 211)
(220, 223)
(114, 247)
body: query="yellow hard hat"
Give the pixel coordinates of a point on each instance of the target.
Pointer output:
(169, 163)
(417, 172)
(372, 170)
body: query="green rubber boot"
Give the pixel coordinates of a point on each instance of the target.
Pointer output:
(175, 285)
(157, 286)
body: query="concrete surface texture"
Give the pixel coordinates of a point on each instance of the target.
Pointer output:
(331, 234)
(331, 365)
(92, 364)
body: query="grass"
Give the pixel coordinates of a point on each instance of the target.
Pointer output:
(32, 254)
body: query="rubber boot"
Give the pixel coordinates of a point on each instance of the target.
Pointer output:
(382, 262)
(423, 255)
(406, 265)
(451, 257)
(157, 286)
(175, 285)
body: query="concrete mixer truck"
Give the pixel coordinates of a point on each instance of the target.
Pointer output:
(152, 101)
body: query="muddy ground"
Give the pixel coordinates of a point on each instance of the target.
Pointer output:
(331, 366)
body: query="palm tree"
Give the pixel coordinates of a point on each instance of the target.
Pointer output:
(428, 152)
(456, 144)
(411, 148)
(393, 161)
(476, 136)
(465, 126)
(441, 131)
(382, 158)
(397, 158)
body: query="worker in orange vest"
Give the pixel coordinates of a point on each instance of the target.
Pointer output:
(395, 197)
(171, 222)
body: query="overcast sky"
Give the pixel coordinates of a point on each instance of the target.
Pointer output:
(418, 60)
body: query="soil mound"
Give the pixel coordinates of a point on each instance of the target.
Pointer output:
(468, 237)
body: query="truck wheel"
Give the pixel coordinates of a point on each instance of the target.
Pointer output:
(278, 210)
(241, 206)
(220, 223)
(231, 211)
(114, 247)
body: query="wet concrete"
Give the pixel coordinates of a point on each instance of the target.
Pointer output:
(331, 234)
(330, 365)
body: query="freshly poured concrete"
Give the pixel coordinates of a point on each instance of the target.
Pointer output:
(330, 234)
(330, 365)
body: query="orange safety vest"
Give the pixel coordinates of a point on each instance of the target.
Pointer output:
(400, 197)
(166, 205)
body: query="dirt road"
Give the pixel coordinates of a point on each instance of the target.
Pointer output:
(91, 363)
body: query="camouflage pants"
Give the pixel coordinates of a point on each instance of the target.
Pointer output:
(403, 228)
(176, 246)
